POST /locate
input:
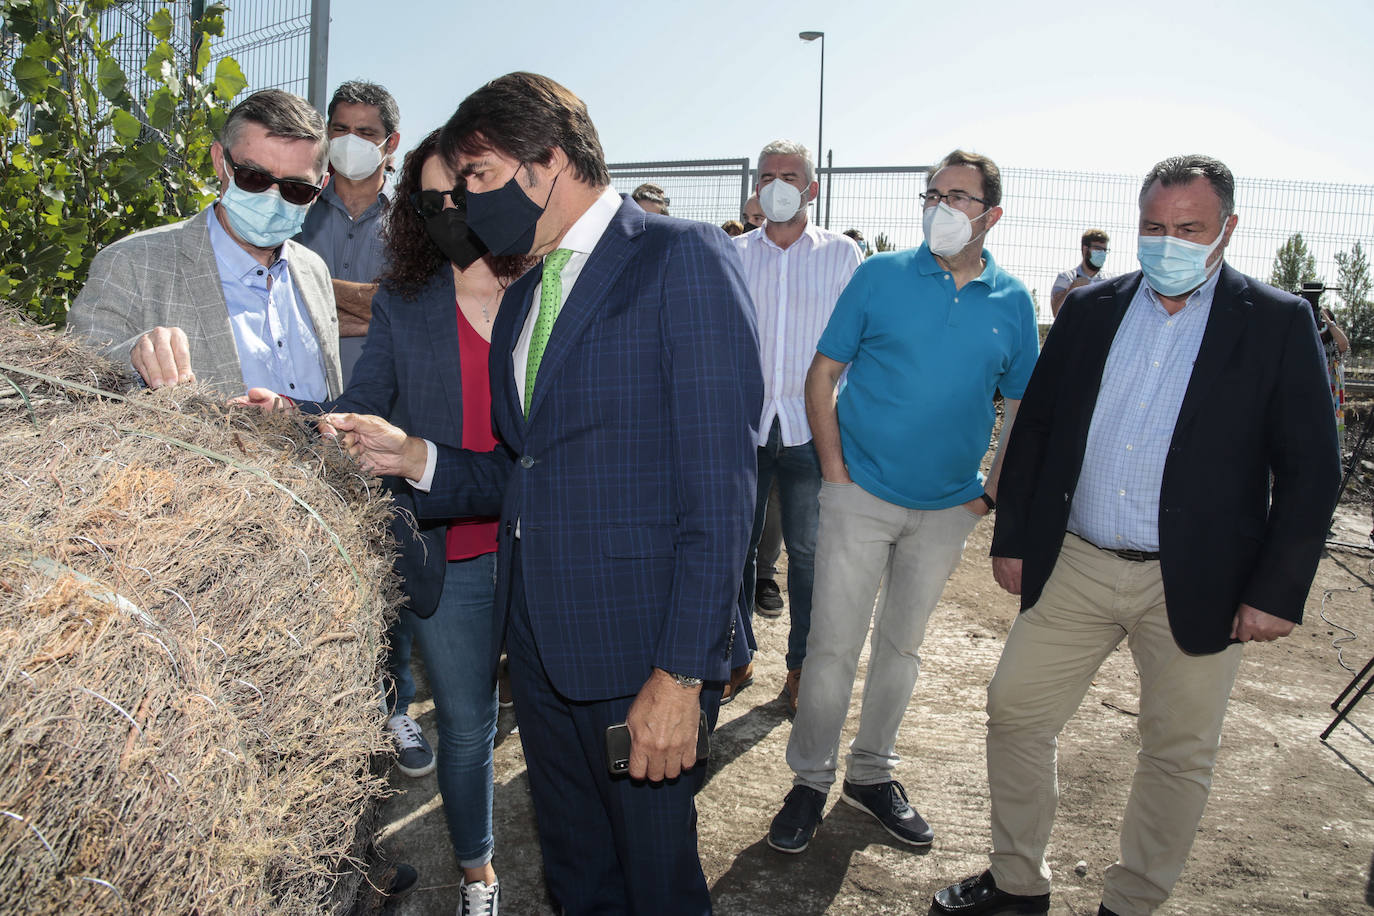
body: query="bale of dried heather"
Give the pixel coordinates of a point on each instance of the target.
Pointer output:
(192, 609)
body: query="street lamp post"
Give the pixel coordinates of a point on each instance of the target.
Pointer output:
(820, 118)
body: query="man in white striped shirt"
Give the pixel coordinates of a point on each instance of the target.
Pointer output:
(795, 272)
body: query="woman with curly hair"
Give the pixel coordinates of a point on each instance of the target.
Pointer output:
(424, 367)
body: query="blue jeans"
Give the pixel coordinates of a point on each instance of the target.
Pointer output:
(456, 644)
(798, 472)
(401, 690)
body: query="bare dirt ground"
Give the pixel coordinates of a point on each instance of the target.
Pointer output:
(1289, 828)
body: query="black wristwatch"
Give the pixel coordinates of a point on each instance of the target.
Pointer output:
(988, 501)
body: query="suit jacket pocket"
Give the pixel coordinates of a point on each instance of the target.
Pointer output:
(644, 541)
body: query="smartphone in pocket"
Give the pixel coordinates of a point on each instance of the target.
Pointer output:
(618, 746)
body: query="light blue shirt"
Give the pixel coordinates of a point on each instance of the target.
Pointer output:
(916, 410)
(1116, 502)
(277, 344)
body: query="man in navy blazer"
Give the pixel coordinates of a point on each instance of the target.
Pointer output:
(1170, 481)
(627, 470)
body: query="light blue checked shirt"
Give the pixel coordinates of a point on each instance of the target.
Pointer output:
(276, 339)
(1116, 503)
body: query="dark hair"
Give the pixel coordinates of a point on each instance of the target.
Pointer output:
(412, 257)
(1095, 235)
(358, 92)
(282, 115)
(1178, 170)
(732, 224)
(992, 177)
(525, 116)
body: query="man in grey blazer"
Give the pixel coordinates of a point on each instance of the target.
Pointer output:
(226, 297)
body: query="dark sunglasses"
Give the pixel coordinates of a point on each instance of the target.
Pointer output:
(255, 181)
(431, 203)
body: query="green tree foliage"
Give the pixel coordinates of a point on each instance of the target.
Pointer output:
(86, 162)
(882, 243)
(1294, 265)
(1356, 317)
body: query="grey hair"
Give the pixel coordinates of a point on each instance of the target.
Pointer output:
(282, 115)
(1177, 170)
(360, 92)
(790, 148)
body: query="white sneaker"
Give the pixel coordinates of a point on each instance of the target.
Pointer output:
(479, 899)
(414, 756)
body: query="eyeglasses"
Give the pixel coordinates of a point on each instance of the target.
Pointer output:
(954, 198)
(255, 181)
(431, 203)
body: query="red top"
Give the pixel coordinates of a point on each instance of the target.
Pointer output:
(472, 537)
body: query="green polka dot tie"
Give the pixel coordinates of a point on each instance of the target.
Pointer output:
(550, 301)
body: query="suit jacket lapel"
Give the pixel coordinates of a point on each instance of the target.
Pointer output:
(441, 320)
(507, 411)
(203, 297)
(1225, 324)
(588, 296)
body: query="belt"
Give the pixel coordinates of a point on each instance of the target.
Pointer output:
(1135, 556)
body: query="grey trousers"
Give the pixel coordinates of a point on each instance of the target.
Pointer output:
(862, 542)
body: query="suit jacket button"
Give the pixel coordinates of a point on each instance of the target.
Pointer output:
(508, 528)
(526, 461)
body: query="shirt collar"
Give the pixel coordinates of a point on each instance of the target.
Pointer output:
(1201, 296)
(231, 257)
(583, 235)
(331, 197)
(810, 237)
(927, 265)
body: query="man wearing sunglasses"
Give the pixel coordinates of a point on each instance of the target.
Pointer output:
(226, 297)
(345, 229)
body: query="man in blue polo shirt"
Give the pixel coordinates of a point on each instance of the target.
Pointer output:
(928, 336)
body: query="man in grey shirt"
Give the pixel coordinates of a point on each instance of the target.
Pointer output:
(345, 228)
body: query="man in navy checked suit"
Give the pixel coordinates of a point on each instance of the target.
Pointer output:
(628, 490)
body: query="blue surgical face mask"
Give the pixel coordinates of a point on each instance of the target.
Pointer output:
(1172, 266)
(1097, 257)
(505, 219)
(262, 219)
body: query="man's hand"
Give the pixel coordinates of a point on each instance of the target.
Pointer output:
(663, 723)
(1079, 281)
(1007, 572)
(381, 448)
(163, 357)
(263, 399)
(1252, 624)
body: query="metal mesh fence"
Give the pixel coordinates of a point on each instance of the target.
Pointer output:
(710, 190)
(270, 39)
(1046, 213)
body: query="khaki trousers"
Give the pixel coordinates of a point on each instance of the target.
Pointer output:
(1093, 600)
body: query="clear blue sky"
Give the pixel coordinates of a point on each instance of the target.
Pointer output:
(1276, 90)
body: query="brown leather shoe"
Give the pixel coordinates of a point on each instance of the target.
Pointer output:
(793, 689)
(740, 677)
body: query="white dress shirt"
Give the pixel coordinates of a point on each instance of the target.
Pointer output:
(794, 291)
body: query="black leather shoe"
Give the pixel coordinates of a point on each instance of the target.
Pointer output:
(768, 598)
(887, 802)
(795, 825)
(980, 896)
(1103, 911)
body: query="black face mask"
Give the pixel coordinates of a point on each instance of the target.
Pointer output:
(450, 233)
(505, 219)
